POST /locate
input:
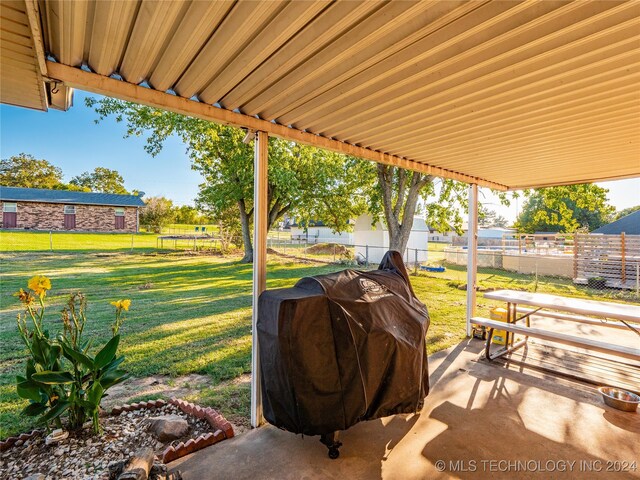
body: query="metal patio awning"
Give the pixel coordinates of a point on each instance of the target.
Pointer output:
(503, 94)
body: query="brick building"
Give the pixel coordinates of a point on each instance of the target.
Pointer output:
(40, 209)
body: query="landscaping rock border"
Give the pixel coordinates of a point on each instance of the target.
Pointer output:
(223, 428)
(208, 428)
(23, 437)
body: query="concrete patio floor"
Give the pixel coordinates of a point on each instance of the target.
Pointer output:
(478, 420)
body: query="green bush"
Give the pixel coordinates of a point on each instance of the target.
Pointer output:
(63, 380)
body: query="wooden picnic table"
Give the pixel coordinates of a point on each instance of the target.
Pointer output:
(593, 312)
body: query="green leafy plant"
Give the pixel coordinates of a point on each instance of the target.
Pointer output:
(62, 378)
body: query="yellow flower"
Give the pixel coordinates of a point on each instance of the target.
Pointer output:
(40, 284)
(122, 304)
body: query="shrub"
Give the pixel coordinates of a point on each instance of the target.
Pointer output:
(62, 377)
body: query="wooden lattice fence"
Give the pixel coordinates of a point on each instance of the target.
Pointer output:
(614, 258)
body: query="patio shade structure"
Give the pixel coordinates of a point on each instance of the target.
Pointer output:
(503, 94)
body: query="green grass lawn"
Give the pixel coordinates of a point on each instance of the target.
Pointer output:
(28, 241)
(23, 241)
(192, 314)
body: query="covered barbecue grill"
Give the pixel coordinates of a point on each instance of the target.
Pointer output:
(341, 348)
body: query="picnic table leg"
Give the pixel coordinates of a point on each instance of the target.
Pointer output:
(509, 345)
(487, 351)
(510, 317)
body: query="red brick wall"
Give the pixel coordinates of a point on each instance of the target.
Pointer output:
(93, 218)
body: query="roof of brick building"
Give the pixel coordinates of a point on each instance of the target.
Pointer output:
(42, 195)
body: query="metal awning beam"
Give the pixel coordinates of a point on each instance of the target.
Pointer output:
(94, 83)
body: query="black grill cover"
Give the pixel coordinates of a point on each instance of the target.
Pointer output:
(341, 348)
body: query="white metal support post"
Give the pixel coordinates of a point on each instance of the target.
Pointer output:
(260, 173)
(472, 254)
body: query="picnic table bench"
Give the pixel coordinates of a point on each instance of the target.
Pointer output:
(572, 309)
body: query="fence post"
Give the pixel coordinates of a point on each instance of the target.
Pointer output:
(334, 253)
(624, 260)
(575, 256)
(50, 241)
(366, 256)
(519, 244)
(416, 261)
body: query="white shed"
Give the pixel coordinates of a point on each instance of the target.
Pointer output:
(318, 232)
(374, 242)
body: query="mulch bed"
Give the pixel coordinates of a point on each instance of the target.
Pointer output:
(87, 456)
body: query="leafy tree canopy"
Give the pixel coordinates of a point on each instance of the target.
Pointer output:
(157, 213)
(489, 218)
(100, 180)
(304, 181)
(72, 187)
(26, 171)
(188, 215)
(625, 212)
(565, 209)
(400, 194)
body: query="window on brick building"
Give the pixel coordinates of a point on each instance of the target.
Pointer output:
(119, 218)
(9, 215)
(69, 217)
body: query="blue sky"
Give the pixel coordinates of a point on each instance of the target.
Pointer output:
(72, 141)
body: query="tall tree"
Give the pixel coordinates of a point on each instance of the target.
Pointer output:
(300, 177)
(25, 170)
(489, 218)
(399, 193)
(101, 179)
(157, 213)
(187, 215)
(565, 209)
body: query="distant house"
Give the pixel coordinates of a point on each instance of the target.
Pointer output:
(445, 237)
(40, 209)
(629, 224)
(317, 232)
(373, 243)
(441, 237)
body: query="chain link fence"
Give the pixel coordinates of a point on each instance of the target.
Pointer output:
(566, 271)
(603, 267)
(364, 256)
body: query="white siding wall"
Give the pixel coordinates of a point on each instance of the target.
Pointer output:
(322, 235)
(378, 240)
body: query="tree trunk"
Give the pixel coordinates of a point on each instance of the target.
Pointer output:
(246, 233)
(400, 193)
(275, 211)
